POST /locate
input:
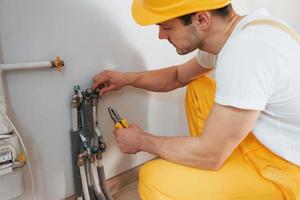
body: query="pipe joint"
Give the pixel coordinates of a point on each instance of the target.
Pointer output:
(57, 63)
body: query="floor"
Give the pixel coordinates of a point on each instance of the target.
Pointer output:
(129, 192)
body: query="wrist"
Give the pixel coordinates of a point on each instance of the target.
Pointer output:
(131, 78)
(146, 143)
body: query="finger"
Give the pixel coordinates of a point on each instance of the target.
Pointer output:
(106, 89)
(99, 79)
(117, 132)
(133, 125)
(96, 83)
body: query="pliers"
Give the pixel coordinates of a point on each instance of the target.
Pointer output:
(119, 121)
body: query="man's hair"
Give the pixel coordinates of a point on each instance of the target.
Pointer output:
(222, 12)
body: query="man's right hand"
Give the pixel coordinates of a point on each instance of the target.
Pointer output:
(115, 80)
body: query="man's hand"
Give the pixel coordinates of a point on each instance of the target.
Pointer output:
(115, 80)
(129, 139)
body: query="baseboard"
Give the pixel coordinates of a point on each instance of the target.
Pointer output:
(116, 183)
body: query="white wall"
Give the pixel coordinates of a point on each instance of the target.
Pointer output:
(90, 36)
(287, 10)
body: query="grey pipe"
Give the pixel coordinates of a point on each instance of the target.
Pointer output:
(93, 195)
(87, 120)
(102, 178)
(75, 149)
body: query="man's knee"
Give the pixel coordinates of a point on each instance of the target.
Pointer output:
(149, 172)
(198, 102)
(150, 178)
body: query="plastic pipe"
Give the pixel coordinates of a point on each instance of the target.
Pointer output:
(5, 136)
(94, 106)
(57, 63)
(2, 95)
(88, 173)
(75, 113)
(95, 178)
(83, 179)
(33, 65)
(94, 116)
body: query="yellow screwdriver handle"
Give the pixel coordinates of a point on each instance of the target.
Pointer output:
(122, 124)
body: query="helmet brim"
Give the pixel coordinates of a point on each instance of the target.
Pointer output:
(144, 15)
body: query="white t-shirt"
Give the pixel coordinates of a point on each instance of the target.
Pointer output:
(259, 69)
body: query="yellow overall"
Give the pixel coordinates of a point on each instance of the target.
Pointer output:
(252, 172)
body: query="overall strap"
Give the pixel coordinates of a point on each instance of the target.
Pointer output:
(277, 25)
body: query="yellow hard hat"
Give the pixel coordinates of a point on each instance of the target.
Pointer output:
(146, 12)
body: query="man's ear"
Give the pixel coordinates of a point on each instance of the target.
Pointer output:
(202, 19)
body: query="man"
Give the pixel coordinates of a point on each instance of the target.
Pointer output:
(244, 138)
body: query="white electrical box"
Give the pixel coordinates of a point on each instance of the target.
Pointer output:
(6, 158)
(11, 180)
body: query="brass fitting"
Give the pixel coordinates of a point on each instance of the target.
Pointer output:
(75, 101)
(57, 63)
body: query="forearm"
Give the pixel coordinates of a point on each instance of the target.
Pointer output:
(161, 80)
(189, 151)
(224, 130)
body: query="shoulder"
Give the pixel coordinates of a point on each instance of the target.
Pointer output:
(260, 37)
(249, 46)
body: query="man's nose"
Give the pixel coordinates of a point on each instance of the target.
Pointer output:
(161, 34)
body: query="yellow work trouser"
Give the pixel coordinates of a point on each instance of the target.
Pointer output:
(252, 172)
